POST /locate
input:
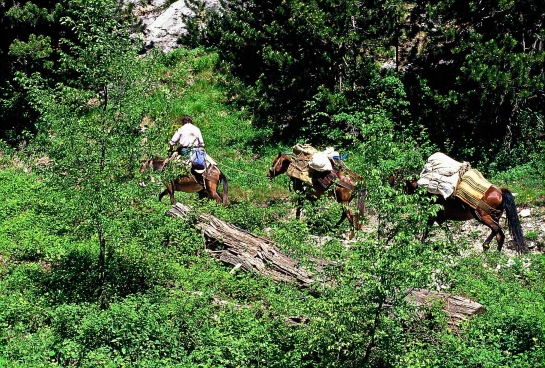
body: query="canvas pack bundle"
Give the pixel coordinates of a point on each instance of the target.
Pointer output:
(302, 154)
(472, 188)
(441, 174)
(303, 149)
(320, 162)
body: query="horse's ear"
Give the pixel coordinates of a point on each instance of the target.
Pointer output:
(279, 154)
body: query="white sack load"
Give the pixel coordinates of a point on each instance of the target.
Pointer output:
(441, 174)
(331, 153)
(320, 162)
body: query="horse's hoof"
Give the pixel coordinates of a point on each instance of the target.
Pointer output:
(350, 235)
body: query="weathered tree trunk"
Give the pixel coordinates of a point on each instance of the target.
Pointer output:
(245, 250)
(253, 253)
(458, 308)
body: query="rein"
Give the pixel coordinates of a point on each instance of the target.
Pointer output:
(245, 172)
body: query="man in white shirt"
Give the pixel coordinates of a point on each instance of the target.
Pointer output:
(186, 137)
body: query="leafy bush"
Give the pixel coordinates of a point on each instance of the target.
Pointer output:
(160, 299)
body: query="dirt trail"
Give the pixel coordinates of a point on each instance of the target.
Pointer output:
(474, 233)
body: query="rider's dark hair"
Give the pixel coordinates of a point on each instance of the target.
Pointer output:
(186, 119)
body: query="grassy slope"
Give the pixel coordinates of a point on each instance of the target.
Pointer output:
(161, 310)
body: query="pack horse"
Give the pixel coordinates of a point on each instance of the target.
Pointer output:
(342, 188)
(472, 197)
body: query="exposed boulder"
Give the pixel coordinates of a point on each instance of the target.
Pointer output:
(163, 23)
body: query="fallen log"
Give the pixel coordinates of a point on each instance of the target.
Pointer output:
(458, 308)
(253, 253)
(247, 251)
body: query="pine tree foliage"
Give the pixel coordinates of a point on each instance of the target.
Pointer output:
(483, 65)
(472, 73)
(33, 41)
(287, 52)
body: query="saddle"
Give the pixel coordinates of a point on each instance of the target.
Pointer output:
(326, 179)
(201, 175)
(472, 188)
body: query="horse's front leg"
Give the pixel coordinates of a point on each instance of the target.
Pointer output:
(298, 206)
(344, 215)
(170, 189)
(429, 224)
(347, 214)
(448, 232)
(162, 194)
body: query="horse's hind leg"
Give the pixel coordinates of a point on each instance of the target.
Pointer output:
(486, 244)
(211, 190)
(494, 226)
(212, 194)
(496, 232)
(500, 237)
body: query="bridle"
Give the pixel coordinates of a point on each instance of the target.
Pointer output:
(272, 169)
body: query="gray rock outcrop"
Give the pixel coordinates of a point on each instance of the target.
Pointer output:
(163, 23)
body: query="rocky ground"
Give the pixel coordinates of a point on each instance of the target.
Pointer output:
(471, 234)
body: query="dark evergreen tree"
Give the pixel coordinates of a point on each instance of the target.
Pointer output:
(478, 85)
(297, 59)
(30, 35)
(33, 39)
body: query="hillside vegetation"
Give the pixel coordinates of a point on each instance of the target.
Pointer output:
(93, 273)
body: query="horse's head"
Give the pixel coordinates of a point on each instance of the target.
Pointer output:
(409, 182)
(156, 164)
(279, 166)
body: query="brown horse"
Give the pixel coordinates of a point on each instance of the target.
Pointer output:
(455, 209)
(343, 195)
(206, 184)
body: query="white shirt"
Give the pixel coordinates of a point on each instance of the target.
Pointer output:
(187, 135)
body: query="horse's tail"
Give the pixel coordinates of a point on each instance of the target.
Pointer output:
(508, 203)
(360, 207)
(360, 204)
(225, 182)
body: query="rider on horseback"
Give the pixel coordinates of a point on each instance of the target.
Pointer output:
(190, 143)
(187, 137)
